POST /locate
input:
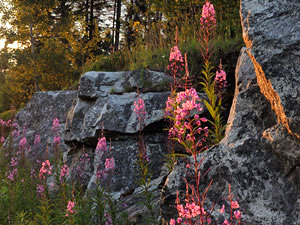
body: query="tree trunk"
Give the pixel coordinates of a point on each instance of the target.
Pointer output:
(118, 24)
(36, 83)
(113, 27)
(91, 22)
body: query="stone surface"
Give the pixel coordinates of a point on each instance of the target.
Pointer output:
(36, 119)
(260, 153)
(114, 114)
(101, 84)
(105, 105)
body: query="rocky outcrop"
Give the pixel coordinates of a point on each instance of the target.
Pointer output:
(36, 118)
(260, 153)
(105, 106)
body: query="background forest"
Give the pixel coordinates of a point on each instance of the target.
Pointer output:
(60, 39)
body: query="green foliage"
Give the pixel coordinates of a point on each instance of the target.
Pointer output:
(213, 103)
(7, 115)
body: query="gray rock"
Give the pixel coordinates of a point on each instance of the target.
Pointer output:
(113, 114)
(36, 119)
(101, 84)
(258, 157)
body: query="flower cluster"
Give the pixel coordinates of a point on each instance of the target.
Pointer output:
(64, 171)
(23, 143)
(101, 145)
(37, 139)
(139, 108)
(56, 140)
(176, 63)
(55, 124)
(208, 15)
(46, 168)
(192, 211)
(70, 208)
(220, 80)
(12, 174)
(7, 123)
(109, 164)
(234, 205)
(180, 109)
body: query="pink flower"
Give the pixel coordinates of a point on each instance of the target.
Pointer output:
(14, 162)
(46, 168)
(55, 124)
(100, 174)
(179, 220)
(109, 164)
(222, 209)
(235, 205)
(56, 140)
(175, 55)
(109, 219)
(176, 63)
(101, 145)
(40, 189)
(16, 133)
(220, 80)
(12, 174)
(2, 139)
(139, 108)
(23, 142)
(225, 222)
(37, 139)
(70, 207)
(64, 171)
(208, 14)
(237, 215)
(172, 222)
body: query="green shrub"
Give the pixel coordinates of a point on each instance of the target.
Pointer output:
(9, 114)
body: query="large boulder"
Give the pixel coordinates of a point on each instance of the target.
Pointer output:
(260, 154)
(105, 106)
(36, 118)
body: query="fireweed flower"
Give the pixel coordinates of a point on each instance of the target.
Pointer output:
(101, 145)
(70, 207)
(12, 174)
(109, 220)
(172, 222)
(176, 63)
(109, 164)
(235, 205)
(222, 209)
(179, 220)
(14, 162)
(225, 222)
(37, 139)
(139, 108)
(46, 168)
(55, 124)
(64, 171)
(237, 215)
(56, 140)
(208, 16)
(180, 108)
(220, 80)
(16, 133)
(23, 143)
